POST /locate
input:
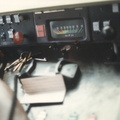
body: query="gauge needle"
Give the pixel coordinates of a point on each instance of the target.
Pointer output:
(80, 30)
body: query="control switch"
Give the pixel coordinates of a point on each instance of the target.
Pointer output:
(16, 18)
(8, 19)
(96, 26)
(10, 33)
(41, 32)
(1, 20)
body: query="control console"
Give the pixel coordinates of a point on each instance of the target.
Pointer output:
(90, 32)
(86, 24)
(17, 29)
(64, 26)
(105, 23)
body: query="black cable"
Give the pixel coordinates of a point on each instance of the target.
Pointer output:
(28, 109)
(2, 69)
(14, 100)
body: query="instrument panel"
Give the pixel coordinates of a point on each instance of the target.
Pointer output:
(63, 29)
(82, 24)
(65, 26)
(17, 29)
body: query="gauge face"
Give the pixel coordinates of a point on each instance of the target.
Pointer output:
(74, 28)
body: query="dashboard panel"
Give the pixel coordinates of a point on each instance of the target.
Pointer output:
(38, 27)
(84, 24)
(102, 16)
(61, 26)
(17, 23)
(79, 34)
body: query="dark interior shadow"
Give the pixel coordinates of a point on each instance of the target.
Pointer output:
(74, 82)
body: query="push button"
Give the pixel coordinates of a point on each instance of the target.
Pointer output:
(18, 38)
(41, 32)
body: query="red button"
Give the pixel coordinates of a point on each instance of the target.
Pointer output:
(18, 38)
(40, 30)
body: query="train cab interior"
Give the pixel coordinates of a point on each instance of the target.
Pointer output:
(60, 60)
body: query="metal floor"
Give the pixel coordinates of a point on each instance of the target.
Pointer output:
(97, 92)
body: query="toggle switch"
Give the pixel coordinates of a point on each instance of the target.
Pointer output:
(16, 18)
(10, 33)
(8, 19)
(1, 20)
